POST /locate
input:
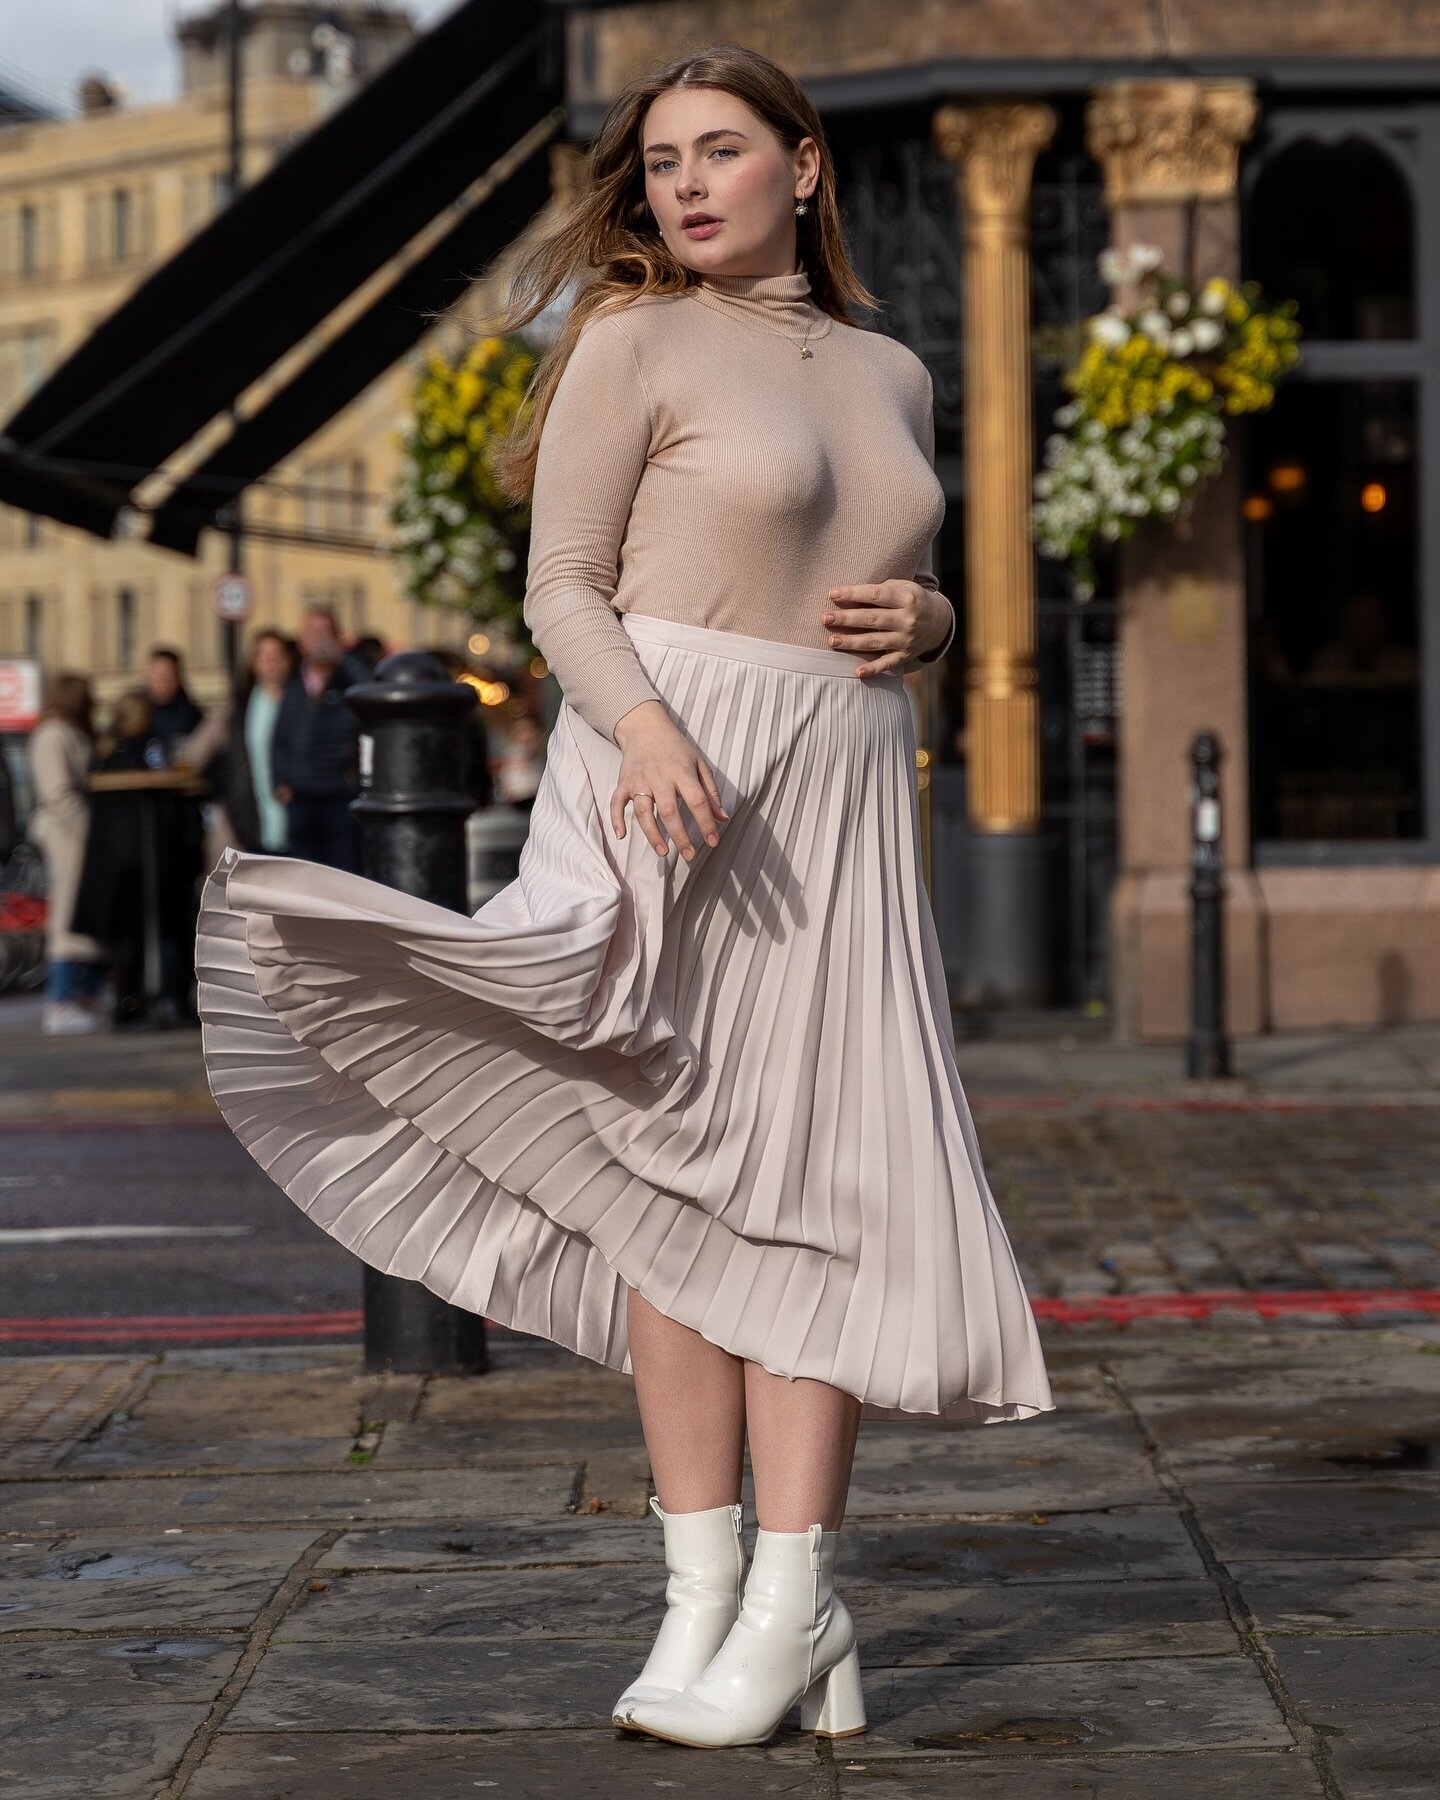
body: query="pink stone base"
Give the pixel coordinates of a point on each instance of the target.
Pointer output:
(1305, 949)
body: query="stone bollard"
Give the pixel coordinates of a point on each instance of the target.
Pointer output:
(412, 814)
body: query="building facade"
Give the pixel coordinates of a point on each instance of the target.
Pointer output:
(986, 153)
(88, 205)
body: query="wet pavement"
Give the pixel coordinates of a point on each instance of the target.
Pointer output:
(249, 1571)
(257, 1573)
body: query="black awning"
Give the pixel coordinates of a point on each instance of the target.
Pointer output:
(272, 266)
(361, 353)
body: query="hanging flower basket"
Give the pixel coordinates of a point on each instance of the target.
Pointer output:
(461, 545)
(1152, 391)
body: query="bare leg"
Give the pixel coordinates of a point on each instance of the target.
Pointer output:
(802, 1444)
(691, 1396)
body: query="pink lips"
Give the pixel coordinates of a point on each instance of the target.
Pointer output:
(705, 228)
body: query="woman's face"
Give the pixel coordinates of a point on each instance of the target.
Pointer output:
(704, 151)
(269, 662)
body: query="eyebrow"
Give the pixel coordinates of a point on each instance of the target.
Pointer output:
(704, 138)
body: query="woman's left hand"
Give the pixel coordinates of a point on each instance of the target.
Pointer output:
(894, 620)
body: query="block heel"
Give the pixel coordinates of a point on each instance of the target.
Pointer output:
(834, 1705)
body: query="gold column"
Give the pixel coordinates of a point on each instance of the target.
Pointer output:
(994, 146)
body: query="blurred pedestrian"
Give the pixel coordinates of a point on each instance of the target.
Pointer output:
(59, 754)
(315, 749)
(231, 750)
(174, 715)
(370, 651)
(112, 895)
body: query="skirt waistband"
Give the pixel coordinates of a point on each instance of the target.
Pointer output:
(681, 635)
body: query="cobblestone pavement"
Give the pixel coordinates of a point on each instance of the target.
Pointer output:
(1213, 1571)
(1103, 1198)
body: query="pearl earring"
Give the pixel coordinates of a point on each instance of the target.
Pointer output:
(801, 207)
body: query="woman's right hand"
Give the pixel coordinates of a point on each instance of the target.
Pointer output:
(659, 760)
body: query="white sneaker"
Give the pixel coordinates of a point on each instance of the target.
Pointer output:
(68, 1018)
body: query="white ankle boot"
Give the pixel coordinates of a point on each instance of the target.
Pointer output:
(794, 1640)
(705, 1555)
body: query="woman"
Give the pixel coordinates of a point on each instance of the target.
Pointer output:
(246, 784)
(59, 754)
(694, 1116)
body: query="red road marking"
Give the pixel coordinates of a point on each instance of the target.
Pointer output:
(1117, 1309)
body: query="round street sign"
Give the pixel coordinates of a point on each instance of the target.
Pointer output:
(230, 596)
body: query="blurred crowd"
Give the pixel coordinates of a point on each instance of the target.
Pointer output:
(130, 817)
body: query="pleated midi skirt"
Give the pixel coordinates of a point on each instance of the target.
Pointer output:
(728, 1083)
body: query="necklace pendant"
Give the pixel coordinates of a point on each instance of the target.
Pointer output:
(805, 350)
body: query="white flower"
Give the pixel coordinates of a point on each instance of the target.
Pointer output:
(1094, 430)
(1182, 343)
(1144, 257)
(1108, 328)
(1186, 474)
(1168, 499)
(1206, 333)
(1112, 265)
(1211, 301)
(1177, 304)
(1153, 323)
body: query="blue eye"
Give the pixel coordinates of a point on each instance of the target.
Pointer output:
(720, 149)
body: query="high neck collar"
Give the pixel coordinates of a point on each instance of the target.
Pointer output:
(782, 301)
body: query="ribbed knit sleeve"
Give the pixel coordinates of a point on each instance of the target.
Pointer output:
(925, 573)
(592, 452)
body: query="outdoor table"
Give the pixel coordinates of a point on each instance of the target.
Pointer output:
(177, 780)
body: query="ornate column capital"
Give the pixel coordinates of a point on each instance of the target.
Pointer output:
(994, 145)
(1169, 140)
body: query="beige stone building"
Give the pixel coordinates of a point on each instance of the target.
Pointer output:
(89, 204)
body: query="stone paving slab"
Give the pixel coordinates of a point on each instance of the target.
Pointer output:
(437, 1685)
(47, 1404)
(1382, 1752)
(52, 1750)
(341, 1499)
(467, 1542)
(1049, 1463)
(1124, 1544)
(897, 1625)
(97, 1584)
(169, 1456)
(1341, 1595)
(490, 1605)
(1396, 1669)
(1185, 1703)
(86, 1672)
(513, 1765)
(1275, 1775)
(1285, 1521)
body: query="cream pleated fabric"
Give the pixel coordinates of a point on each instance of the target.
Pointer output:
(730, 1084)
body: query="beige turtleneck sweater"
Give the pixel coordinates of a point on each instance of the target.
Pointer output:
(694, 466)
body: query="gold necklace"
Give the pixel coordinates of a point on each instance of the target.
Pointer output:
(709, 299)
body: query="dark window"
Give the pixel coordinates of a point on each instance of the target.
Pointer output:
(1333, 550)
(1332, 226)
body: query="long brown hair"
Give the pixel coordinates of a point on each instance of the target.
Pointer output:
(70, 698)
(608, 244)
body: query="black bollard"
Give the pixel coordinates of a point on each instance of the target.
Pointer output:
(1208, 1051)
(412, 815)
